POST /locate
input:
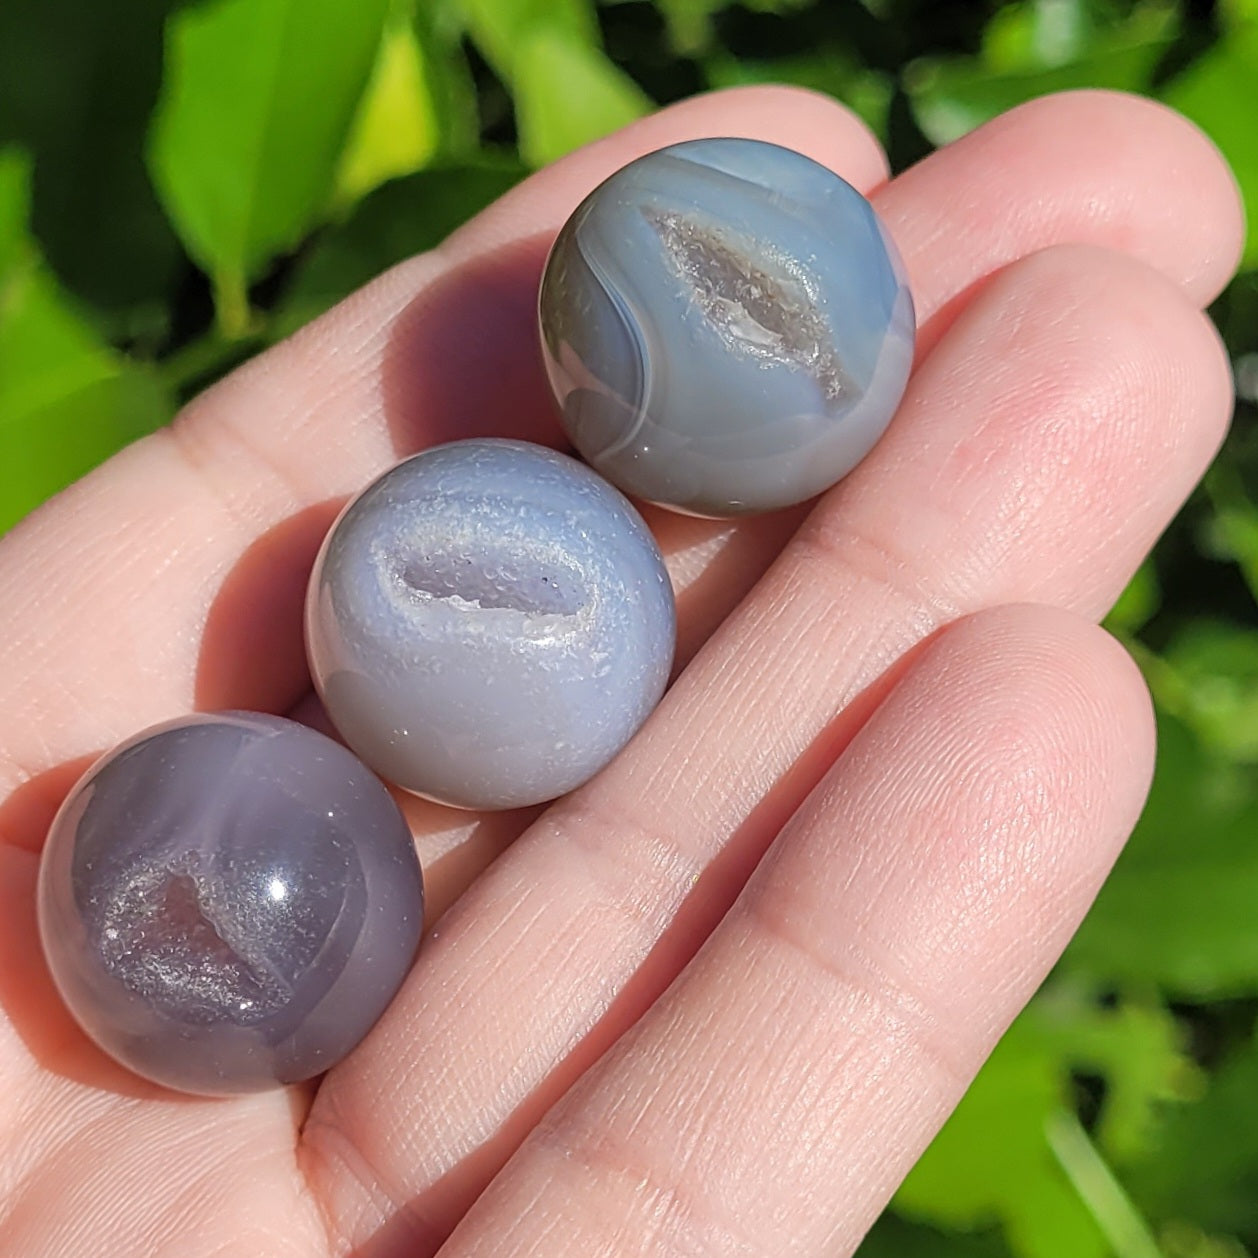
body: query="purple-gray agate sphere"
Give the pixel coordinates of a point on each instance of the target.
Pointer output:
(727, 327)
(229, 902)
(489, 623)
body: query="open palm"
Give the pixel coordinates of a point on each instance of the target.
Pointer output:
(718, 1000)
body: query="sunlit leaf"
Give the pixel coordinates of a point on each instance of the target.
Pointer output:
(1137, 603)
(1013, 1154)
(404, 217)
(953, 95)
(568, 93)
(502, 28)
(256, 102)
(1039, 34)
(548, 53)
(1138, 1049)
(1179, 908)
(992, 1162)
(1180, 1239)
(1216, 670)
(396, 128)
(1217, 92)
(66, 399)
(439, 30)
(689, 23)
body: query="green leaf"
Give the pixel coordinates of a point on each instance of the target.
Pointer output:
(1204, 1170)
(547, 52)
(78, 80)
(1013, 1153)
(1039, 35)
(404, 217)
(1138, 1049)
(832, 70)
(1137, 604)
(1211, 92)
(1234, 526)
(67, 400)
(568, 93)
(439, 30)
(1178, 908)
(256, 103)
(1027, 54)
(396, 129)
(992, 1162)
(17, 252)
(1215, 670)
(689, 22)
(502, 28)
(1185, 1240)
(893, 1237)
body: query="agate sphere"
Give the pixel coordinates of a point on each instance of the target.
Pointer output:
(727, 327)
(489, 623)
(229, 902)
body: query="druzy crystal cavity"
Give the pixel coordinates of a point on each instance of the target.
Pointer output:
(727, 327)
(489, 623)
(229, 902)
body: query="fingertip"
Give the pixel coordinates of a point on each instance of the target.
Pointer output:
(1056, 681)
(1199, 235)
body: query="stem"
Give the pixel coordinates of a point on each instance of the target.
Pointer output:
(201, 361)
(231, 305)
(1113, 1211)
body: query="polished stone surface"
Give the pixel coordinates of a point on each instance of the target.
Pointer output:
(229, 902)
(727, 327)
(489, 623)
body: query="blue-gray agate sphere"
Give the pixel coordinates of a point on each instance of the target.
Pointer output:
(727, 327)
(489, 623)
(229, 902)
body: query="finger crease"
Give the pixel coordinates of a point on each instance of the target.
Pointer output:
(873, 559)
(204, 459)
(674, 1212)
(900, 1007)
(326, 1155)
(641, 870)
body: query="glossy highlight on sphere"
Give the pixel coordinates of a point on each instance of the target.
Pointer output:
(229, 902)
(489, 623)
(727, 327)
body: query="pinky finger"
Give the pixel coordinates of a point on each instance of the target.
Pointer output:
(775, 1096)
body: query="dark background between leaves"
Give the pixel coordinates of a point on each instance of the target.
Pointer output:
(181, 184)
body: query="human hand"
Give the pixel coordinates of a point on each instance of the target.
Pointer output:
(719, 999)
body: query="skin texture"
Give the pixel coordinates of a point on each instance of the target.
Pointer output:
(229, 902)
(1068, 395)
(489, 623)
(727, 327)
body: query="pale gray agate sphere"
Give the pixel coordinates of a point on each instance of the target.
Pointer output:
(489, 623)
(229, 902)
(727, 327)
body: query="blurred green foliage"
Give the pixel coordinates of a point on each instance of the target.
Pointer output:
(182, 183)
